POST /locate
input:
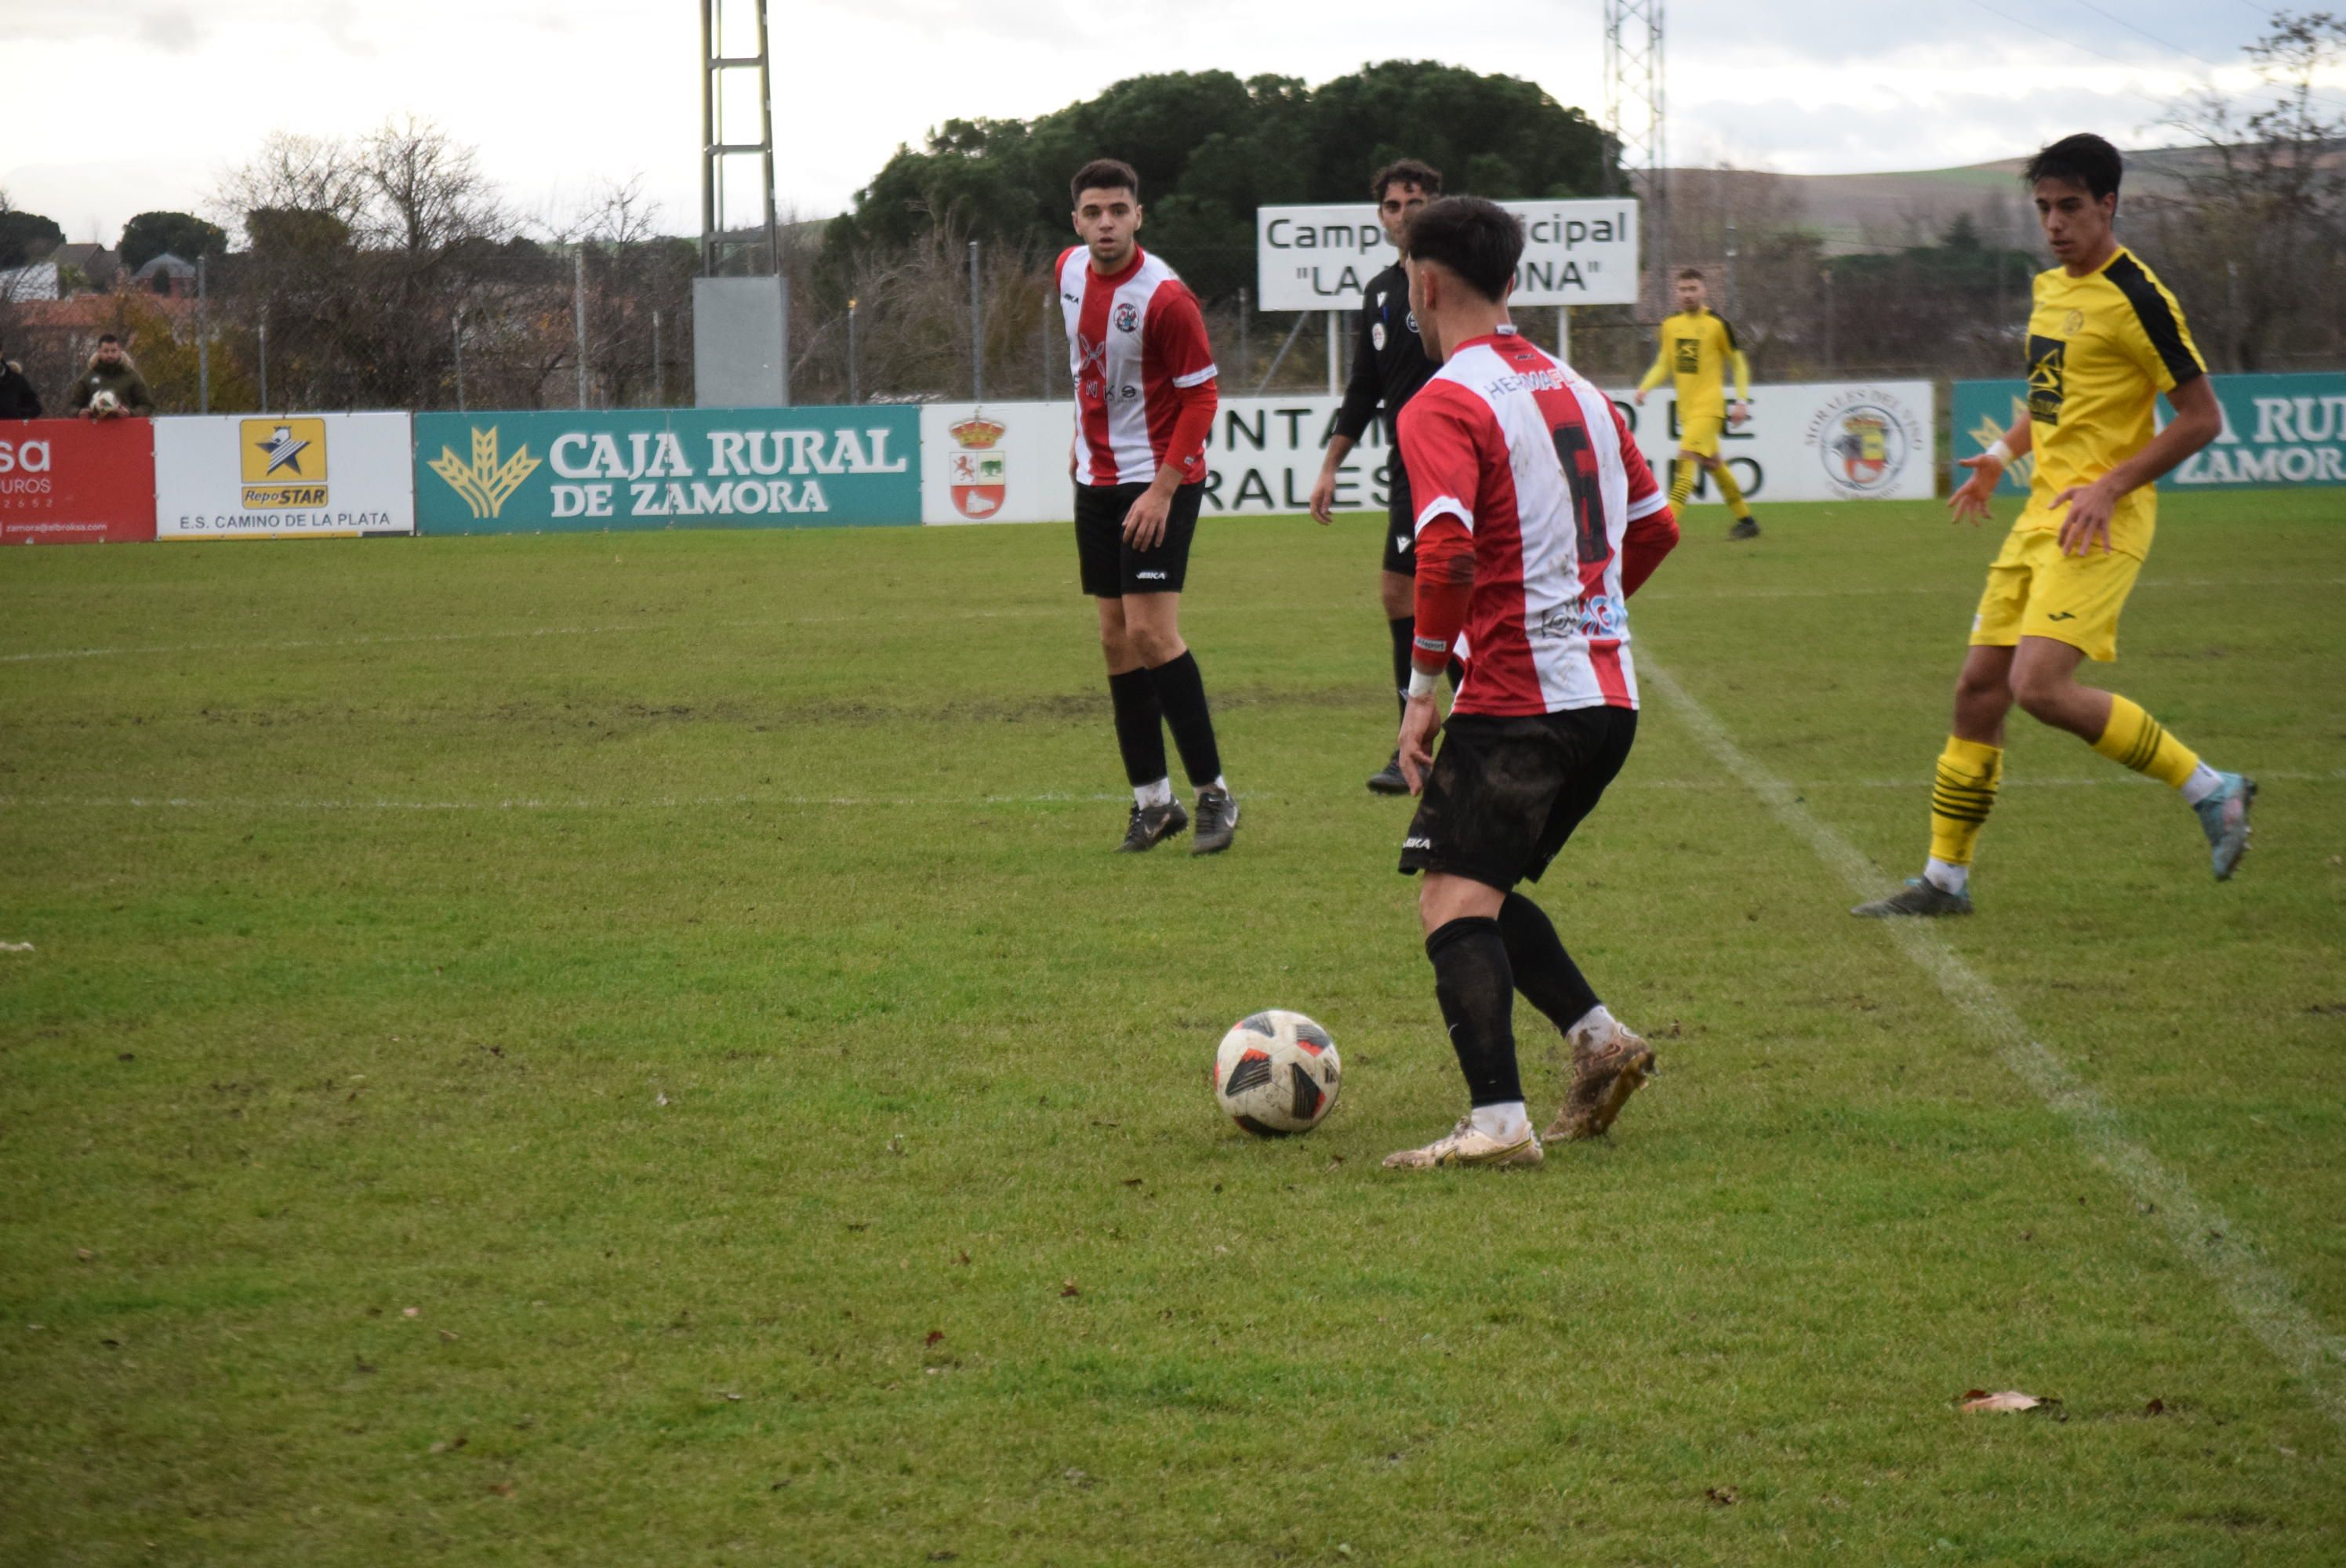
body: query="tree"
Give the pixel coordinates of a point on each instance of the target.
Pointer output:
(26, 236)
(2272, 177)
(182, 234)
(1209, 148)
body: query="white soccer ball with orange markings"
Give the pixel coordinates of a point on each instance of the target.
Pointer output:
(1276, 1072)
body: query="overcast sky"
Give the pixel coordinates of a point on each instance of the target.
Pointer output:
(114, 107)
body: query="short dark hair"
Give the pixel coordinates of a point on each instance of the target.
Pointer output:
(1103, 173)
(1686, 272)
(2082, 159)
(107, 337)
(1406, 171)
(1479, 241)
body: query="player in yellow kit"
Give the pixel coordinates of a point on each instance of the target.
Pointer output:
(2105, 339)
(1698, 348)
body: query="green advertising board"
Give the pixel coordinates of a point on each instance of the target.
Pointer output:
(2277, 430)
(584, 472)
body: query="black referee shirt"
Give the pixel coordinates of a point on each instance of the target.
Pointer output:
(1389, 364)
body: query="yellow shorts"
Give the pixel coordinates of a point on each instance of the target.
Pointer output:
(1698, 434)
(2035, 591)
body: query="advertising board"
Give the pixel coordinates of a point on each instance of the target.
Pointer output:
(2277, 430)
(584, 472)
(290, 475)
(77, 480)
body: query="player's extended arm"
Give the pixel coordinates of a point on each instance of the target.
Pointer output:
(2197, 421)
(1742, 368)
(1445, 588)
(1658, 374)
(1362, 394)
(1970, 500)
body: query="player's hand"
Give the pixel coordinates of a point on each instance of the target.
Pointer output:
(1740, 412)
(1640, 399)
(1418, 723)
(2090, 506)
(1324, 498)
(1144, 526)
(1970, 500)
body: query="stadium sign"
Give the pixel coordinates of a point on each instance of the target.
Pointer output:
(1321, 258)
(1835, 441)
(2277, 430)
(77, 482)
(275, 476)
(666, 468)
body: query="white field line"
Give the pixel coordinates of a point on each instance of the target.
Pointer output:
(1019, 612)
(2261, 1295)
(942, 803)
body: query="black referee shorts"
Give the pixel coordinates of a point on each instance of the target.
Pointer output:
(1506, 793)
(1112, 568)
(1400, 519)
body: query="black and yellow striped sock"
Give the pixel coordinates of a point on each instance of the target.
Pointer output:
(2137, 741)
(1681, 483)
(1963, 792)
(1731, 491)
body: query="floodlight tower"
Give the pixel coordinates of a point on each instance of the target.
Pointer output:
(1633, 112)
(715, 154)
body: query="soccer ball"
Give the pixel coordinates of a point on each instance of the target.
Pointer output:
(1276, 1072)
(105, 404)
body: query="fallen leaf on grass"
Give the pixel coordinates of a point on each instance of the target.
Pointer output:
(448, 1336)
(934, 1335)
(502, 1488)
(1134, 1181)
(1078, 1478)
(896, 1144)
(1980, 1401)
(1721, 1496)
(451, 1446)
(85, 1254)
(1069, 1287)
(660, 1099)
(411, 1311)
(15, 947)
(962, 1260)
(2156, 1407)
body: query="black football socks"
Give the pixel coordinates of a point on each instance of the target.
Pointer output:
(1140, 727)
(1475, 987)
(1544, 971)
(1181, 693)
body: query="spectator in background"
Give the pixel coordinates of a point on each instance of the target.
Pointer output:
(111, 371)
(17, 398)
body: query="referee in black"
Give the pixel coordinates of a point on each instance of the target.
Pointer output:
(1389, 364)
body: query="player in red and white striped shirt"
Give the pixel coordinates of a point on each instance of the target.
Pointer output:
(1144, 399)
(1536, 519)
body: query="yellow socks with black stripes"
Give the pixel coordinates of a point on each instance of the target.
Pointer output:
(2135, 739)
(1963, 792)
(1731, 491)
(1681, 483)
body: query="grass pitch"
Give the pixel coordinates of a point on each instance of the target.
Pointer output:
(633, 1048)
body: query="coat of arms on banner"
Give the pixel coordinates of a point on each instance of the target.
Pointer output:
(1864, 438)
(981, 468)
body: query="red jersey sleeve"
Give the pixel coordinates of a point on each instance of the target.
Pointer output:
(1176, 337)
(1441, 449)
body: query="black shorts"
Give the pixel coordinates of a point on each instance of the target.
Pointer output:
(1401, 521)
(1112, 568)
(1506, 793)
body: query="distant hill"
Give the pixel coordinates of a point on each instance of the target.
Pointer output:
(1869, 211)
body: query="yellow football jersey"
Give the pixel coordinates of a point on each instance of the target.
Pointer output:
(1697, 349)
(2101, 348)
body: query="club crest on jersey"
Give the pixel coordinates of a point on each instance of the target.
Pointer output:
(1377, 336)
(1413, 321)
(1127, 316)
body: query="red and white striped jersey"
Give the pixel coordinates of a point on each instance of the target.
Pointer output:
(1534, 461)
(1137, 353)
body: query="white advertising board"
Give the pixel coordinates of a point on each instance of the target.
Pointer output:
(1836, 441)
(1321, 258)
(290, 475)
